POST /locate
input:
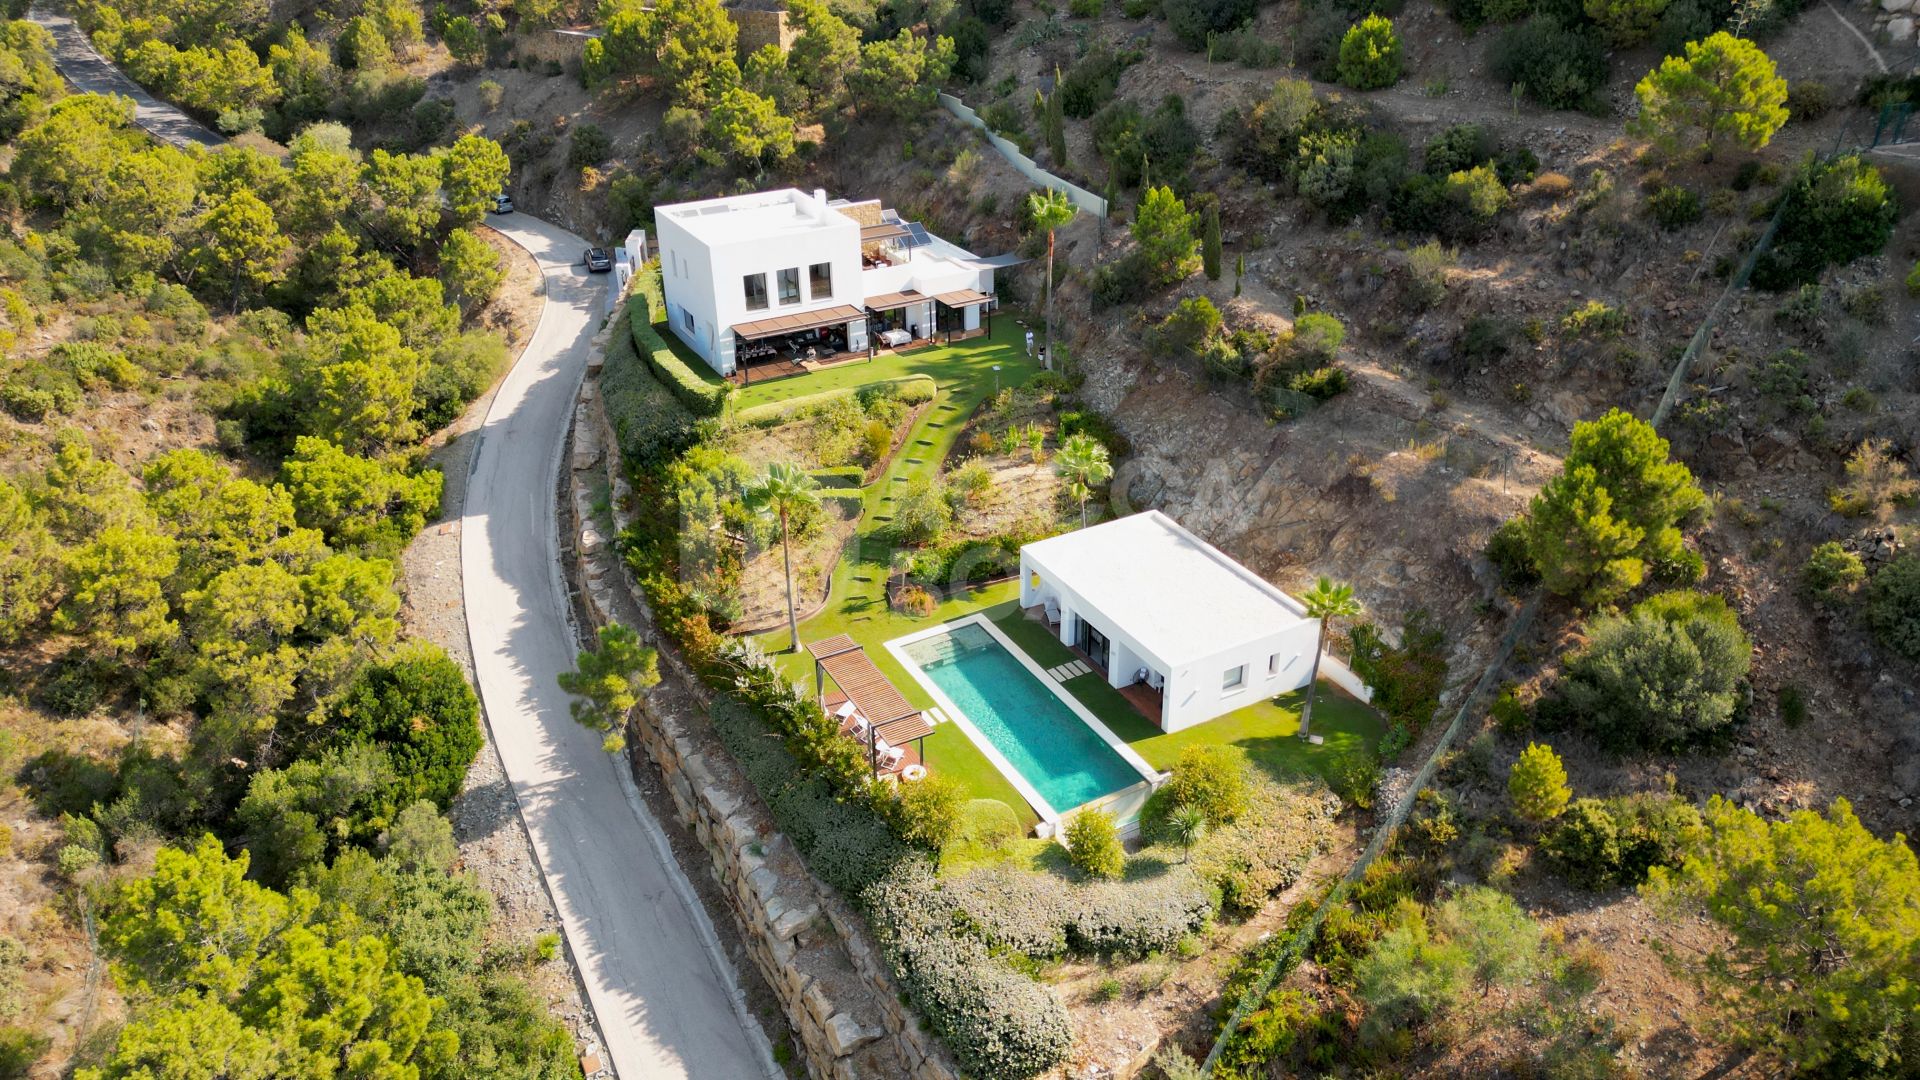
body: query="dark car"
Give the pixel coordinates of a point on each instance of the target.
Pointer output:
(598, 261)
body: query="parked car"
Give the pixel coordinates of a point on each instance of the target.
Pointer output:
(598, 261)
(503, 204)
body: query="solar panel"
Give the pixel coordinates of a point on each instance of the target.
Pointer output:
(917, 235)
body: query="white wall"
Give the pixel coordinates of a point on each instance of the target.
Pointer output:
(709, 280)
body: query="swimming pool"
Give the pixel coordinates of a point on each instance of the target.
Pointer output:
(1054, 750)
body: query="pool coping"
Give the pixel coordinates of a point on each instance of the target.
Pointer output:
(1048, 814)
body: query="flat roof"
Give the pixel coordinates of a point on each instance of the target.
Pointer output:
(754, 217)
(1177, 595)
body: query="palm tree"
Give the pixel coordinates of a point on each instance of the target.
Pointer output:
(1050, 210)
(785, 490)
(1083, 461)
(1188, 825)
(1326, 601)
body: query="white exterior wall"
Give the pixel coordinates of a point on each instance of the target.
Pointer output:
(929, 276)
(1192, 693)
(708, 281)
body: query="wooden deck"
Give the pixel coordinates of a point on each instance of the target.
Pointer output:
(1144, 698)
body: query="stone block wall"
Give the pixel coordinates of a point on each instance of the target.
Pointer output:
(810, 946)
(760, 27)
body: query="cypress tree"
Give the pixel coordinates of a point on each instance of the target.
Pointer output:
(1210, 242)
(1056, 125)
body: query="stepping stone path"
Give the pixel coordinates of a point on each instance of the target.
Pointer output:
(1070, 670)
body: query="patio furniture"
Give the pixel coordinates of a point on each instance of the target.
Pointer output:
(916, 771)
(890, 758)
(895, 338)
(1053, 612)
(860, 727)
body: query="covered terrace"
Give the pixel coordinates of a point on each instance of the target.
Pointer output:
(784, 344)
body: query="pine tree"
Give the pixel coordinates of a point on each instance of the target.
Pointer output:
(1210, 243)
(1537, 784)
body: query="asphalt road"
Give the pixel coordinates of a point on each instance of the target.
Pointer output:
(665, 997)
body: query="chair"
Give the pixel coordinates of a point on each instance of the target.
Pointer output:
(891, 757)
(1053, 611)
(859, 728)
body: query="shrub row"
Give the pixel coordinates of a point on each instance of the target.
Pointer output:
(996, 1021)
(840, 476)
(1033, 914)
(649, 422)
(644, 311)
(911, 389)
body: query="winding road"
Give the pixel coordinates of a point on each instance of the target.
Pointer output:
(665, 996)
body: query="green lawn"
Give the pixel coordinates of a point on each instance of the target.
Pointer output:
(857, 603)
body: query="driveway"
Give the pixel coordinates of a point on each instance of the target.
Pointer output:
(665, 998)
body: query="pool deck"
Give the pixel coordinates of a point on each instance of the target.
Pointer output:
(1126, 801)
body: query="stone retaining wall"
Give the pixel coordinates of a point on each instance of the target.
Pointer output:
(811, 947)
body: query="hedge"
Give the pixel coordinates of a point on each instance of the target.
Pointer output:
(694, 391)
(996, 1021)
(649, 423)
(1036, 915)
(912, 389)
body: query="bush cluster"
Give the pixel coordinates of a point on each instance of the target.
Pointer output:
(1601, 843)
(1559, 65)
(1836, 211)
(996, 1021)
(1035, 915)
(1893, 605)
(1669, 673)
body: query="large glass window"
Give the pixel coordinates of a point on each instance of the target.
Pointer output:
(756, 292)
(1234, 679)
(820, 281)
(790, 285)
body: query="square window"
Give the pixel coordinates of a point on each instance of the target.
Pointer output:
(790, 285)
(1235, 679)
(820, 281)
(756, 286)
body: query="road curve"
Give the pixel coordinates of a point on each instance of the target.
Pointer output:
(664, 995)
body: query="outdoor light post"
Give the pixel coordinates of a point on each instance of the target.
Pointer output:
(996, 380)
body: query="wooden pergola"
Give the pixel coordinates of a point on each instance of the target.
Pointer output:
(889, 716)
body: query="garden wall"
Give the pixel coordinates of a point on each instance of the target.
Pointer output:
(811, 948)
(1026, 166)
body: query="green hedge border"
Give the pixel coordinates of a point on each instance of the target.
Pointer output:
(645, 310)
(780, 410)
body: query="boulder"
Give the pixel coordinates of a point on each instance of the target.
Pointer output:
(845, 1034)
(1900, 29)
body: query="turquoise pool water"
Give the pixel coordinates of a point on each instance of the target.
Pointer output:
(1055, 750)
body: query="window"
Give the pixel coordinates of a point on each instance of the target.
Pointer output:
(756, 292)
(790, 285)
(1273, 664)
(1236, 678)
(820, 281)
(686, 317)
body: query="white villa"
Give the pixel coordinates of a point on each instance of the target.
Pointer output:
(791, 276)
(1189, 633)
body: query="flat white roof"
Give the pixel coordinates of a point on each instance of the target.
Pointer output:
(759, 216)
(1176, 594)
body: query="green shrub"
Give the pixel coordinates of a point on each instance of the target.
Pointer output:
(996, 1021)
(923, 514)
(418, 707)
(1913, 280)
(1321, 384)
(1087, 422)
(1537, 784)
(1836, 211)
(1559, 66)
(1211, 779)
(1893, 605)
(696, 390)
(1831, 569)
(20, 1048)
(908, 389)
(1090, 83)
(1594, 319)
(1193, 21)
(1626, 22)
(1674, 207)
(1317, 337)
(1040, 917)
(1370, 54)
(1666, 674)
(1507, 551)
(1585, 846)
(1093, 845)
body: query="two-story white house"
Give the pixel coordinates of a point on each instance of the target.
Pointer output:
(789, 274)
